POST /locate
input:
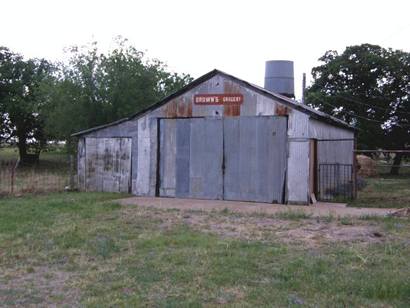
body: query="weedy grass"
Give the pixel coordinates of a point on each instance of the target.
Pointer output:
(384, 192)
(81, 249)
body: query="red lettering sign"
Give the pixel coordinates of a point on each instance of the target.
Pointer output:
(218, 99)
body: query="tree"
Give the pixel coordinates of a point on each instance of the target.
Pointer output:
(21, 119)
(367, 86)
(94, 88)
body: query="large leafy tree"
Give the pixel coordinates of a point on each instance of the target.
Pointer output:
(369, 87)
(95, 88)
(21, 102)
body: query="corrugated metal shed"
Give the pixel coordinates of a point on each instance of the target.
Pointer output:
(164, 146)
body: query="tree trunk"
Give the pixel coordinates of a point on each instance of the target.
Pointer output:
(22, 146)
(396, 164)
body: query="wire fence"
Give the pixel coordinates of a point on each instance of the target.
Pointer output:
(16, 179)
(335, 182)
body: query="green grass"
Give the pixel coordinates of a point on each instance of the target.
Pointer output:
(82, 249)
(384, 192)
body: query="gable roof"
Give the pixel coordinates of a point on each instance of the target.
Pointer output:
(316, 114)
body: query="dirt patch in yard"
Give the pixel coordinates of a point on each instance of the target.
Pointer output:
(319, 209)
(310, 232)
(37, 286)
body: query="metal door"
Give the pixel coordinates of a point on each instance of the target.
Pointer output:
(108, 164)
(255, 159)
(190, 158)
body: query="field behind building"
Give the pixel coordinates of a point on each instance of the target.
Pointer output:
(85, 249)
(384, 192)
(51, 174)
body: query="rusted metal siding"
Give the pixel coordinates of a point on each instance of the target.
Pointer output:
(183, 106)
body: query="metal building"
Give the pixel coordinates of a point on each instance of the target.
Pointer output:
(221, 138)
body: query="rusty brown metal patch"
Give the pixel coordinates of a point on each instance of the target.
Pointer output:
(232, 110)
(281, 110)
(178, 108)
(171, 110)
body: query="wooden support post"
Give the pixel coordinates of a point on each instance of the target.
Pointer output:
(12, 181)
(354, 175)
(71, 172)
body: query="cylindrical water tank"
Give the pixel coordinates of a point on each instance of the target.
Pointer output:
(279, 77)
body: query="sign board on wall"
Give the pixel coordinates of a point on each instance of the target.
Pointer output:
(218, 99)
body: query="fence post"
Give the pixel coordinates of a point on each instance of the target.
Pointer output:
(354, 170)
(12, 181)
(319, 179)
(13, 174)
(71, 172)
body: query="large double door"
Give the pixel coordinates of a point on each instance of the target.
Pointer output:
(241, 158)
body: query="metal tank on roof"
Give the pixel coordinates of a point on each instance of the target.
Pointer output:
(279, 77)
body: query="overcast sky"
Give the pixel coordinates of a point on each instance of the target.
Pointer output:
(196, 36)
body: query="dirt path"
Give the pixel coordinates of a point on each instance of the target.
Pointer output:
(319, 209)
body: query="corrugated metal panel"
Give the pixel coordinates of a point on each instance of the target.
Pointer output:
(108, 164)
(297, 180)
(153, 162)
(205, 176)
(183, 153)
(298, 125)
(335, 151)
(255, 158)
(191, 158)
(320, 130)
(144, 154)
(335, 144)
(298, 171)
(167, 159)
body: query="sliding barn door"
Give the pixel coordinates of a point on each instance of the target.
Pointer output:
(255, 159)
(190, 158)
